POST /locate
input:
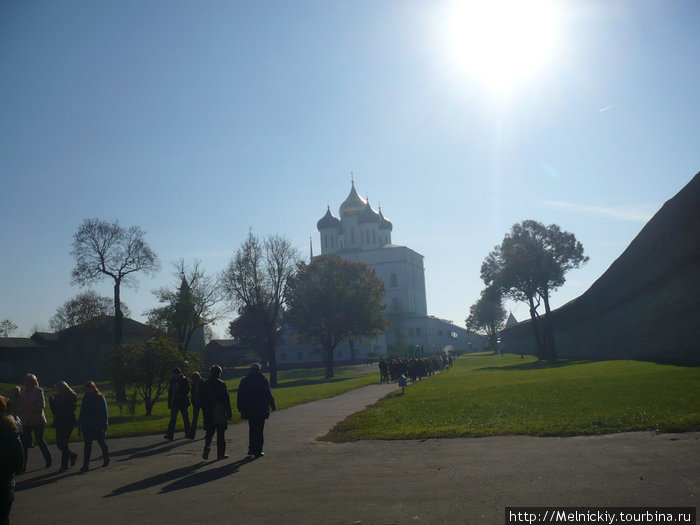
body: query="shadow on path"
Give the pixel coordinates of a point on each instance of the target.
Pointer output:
(155, 480)
(149, 450)
(42, 479)
(199, 478)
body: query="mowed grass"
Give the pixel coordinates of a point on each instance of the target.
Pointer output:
(487, 395)
(295, 387)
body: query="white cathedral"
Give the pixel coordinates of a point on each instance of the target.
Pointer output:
(362, 234)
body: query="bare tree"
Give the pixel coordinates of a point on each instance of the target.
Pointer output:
(102, 249)
(84, 307)
(256, 281)
(7, 327)
(194, 304)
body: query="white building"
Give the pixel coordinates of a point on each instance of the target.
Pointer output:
(362, 234)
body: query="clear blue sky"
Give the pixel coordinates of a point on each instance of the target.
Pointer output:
(198, 121)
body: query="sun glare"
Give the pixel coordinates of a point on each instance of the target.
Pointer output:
(502, 41)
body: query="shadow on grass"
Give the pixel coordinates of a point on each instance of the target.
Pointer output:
(309, 382)
(536, 365)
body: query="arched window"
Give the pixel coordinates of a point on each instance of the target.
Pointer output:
(394, 280)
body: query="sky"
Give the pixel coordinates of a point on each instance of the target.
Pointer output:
(202, 121)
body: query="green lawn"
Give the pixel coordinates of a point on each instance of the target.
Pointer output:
(295, 387)
(486, 395)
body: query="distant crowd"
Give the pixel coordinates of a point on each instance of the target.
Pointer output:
(412, 368)
(23, 420)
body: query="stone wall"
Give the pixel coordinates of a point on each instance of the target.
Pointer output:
(646, 305)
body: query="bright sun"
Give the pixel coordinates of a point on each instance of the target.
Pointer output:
(502, 41)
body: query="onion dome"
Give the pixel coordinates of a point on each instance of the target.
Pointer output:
(328, 221)
(384, 223)
(369, 215)
(353, 205)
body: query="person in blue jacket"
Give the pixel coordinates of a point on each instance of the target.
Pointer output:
(93, 423)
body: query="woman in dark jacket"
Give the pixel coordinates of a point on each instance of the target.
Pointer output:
(216, 406)
(93, 423)
(63, 406)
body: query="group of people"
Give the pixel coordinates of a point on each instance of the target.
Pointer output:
(210, 397)
(22, 416)
(413, 368)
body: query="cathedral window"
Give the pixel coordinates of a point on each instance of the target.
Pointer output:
(394, 280)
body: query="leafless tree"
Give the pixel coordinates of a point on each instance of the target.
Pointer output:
(102, 249)
(256, 281)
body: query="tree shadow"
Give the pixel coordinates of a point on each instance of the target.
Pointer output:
(309, 382)
(199, 478)
(537, 365)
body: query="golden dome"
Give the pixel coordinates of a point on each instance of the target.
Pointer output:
(353, 205)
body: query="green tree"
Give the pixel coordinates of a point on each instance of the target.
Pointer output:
(255, 281)
(102, 249)
(487, 316)
(196, 303)
(84, 307)
(331, 300)
(249, 330)
(147, 366)
(529, 264)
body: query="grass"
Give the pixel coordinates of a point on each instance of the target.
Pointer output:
(294, 388)
(486, 395)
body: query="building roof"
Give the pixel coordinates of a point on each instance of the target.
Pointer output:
(328, 221)
(353, 205)
(384, 223)
(369, 215)
(19, 342)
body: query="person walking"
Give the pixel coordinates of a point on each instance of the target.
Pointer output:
(11, 459)
(255, 401)
(32, 403)
(63, 406)
(216, 407)
(93, 422)
(178, 402)
(196, 403)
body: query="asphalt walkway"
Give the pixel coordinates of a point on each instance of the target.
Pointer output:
(302, 480)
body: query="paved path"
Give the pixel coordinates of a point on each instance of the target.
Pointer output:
(301, 480)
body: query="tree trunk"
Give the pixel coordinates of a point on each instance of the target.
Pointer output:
(548, 329)
(117, 315)
(273, 364)
(328, 358)
(351, 342)
(541, 354)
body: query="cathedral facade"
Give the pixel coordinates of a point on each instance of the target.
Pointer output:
(361, 234)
